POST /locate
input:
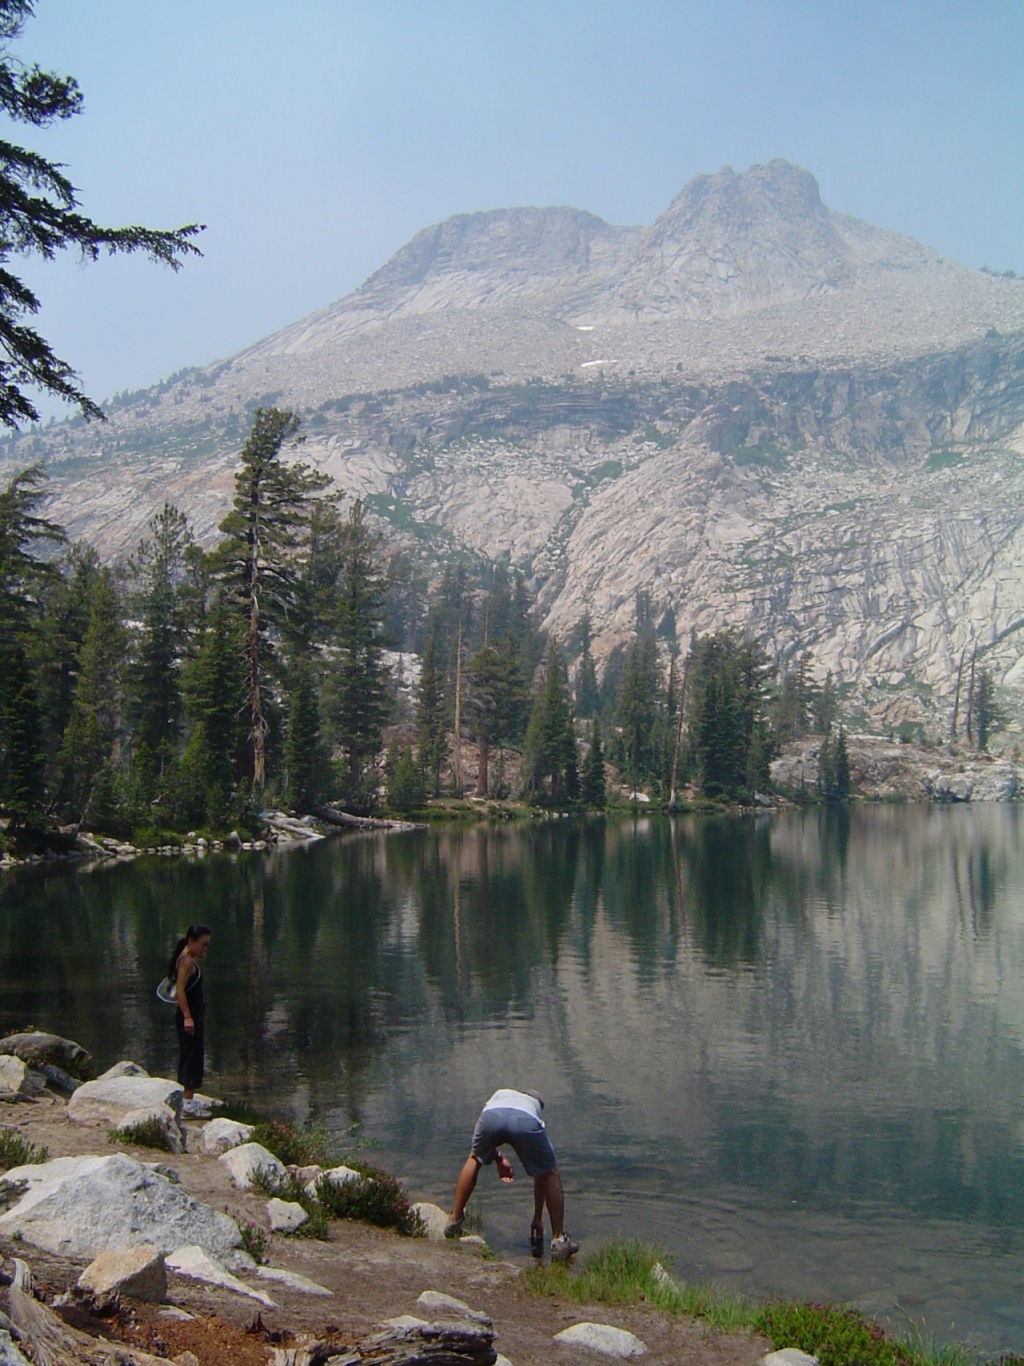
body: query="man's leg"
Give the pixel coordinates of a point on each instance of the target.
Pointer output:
(547, 1190)
(464, 1188)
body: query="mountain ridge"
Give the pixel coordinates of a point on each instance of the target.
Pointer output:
(759, 411)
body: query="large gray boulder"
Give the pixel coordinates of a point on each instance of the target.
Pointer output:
(245, 1161)
(108, 1099)
(36, 1048)
(15, 1077)
(78, 1207)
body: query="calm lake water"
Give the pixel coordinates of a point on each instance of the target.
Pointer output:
(789, 1049)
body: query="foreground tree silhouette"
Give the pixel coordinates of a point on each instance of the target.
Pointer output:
(39, 215)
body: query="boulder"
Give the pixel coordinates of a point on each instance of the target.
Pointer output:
(137, 1271)
(107, 1101)
(997, 783)
(221, 1134)
(602, 1337)
(78, 1207)
(246, 1160)
(337, 1176)
(36, 1047)
(15, 1079)
(293, 1280)
(285, 1216)
(435, 1219)
(164, 1119)
(9, 1354)
(197, 1265)
(440, 1306)
(123, 1069)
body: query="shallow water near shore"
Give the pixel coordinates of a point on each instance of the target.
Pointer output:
(787, 1048)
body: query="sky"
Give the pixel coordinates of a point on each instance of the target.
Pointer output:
(315, 137)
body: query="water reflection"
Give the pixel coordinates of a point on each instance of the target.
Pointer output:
(803, 1030)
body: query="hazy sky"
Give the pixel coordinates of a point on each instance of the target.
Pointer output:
(314, 137)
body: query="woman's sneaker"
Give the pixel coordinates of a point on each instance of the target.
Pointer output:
(453, 1228)
(537, 1241)
(562, 1248)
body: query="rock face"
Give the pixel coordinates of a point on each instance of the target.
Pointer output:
(760, 412)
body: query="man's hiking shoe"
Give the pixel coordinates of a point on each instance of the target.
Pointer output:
(562, 1248)
(453, 1228)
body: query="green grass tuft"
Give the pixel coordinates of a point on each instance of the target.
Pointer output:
(16, 1151)
(148, 1133)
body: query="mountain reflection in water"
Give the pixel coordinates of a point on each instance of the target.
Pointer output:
(788, 1048)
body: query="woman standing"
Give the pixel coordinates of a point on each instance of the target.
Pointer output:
(184, 968)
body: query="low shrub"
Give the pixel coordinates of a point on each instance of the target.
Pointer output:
(148, 1133)
(293, 1145)
(378, 1199)
(16, 1151)
(255, 1241)
(835, 1335)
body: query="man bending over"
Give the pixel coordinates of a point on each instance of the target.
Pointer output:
(513, 1117)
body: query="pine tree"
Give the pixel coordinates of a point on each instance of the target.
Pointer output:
(213, 687)
(92, 738)
(306, 759)
(550, 745)
(266, 535)
(360, 697)
(157, 602)
(637, 708)
(431, 711)
(588, 697)
(593, 790)
(22, 758)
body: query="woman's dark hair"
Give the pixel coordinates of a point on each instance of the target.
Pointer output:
(193, 933)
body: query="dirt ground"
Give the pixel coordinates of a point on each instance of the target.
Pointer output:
(373, 1275)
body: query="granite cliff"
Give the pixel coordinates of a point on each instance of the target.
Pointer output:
(762, 412)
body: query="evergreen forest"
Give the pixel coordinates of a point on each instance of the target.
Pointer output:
(299, 663)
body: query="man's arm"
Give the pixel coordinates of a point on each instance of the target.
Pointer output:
(504, 1167)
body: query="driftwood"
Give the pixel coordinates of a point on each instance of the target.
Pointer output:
(426, 1344)
(53, 1343)
(330, 815)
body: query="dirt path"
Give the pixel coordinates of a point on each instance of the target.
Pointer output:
(373, 1275)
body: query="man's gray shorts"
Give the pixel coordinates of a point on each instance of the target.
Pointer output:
(525, 1134)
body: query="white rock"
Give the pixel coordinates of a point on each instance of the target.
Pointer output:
(435, 1220)
(337, 1176)
(137, 1271)
(292, 1280)
(9, 1354)
(285, 1215)
(78, 1207)
(222, 1134)
(602, 1337)
(161, 1115)
(193, 1262)
(108, 1101)
(440, 1306)
(246, 1160)
(788, 1356)
(123, 1069)
(499, 1360)
(406, 1321)
(14, 1076)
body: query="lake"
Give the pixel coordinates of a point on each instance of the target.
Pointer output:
(788, 1048)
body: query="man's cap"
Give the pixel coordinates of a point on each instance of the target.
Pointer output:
(537, 1097)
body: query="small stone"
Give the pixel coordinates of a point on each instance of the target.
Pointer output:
(292, 1280)
(441, 1306)
(194, 1263)
(285, 1215)
(221, 1135)
(434, 1218)
(137, 1271)
(246, 1160)
(602, 1337)
(788, 1356)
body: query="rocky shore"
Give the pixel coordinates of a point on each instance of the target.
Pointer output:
(115, 1253)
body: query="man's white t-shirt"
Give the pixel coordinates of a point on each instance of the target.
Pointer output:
(507, 1099)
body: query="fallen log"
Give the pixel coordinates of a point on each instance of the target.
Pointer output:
(414, 1344)
(330, 815)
